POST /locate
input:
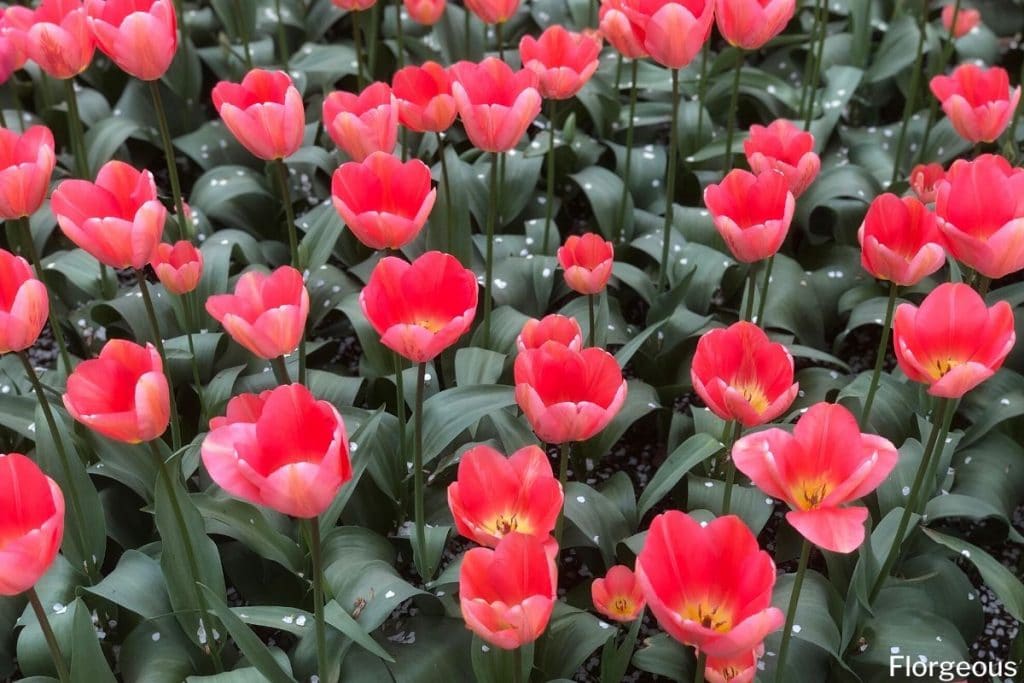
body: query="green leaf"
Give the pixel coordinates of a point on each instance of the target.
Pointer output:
(88, 665)
(688, 454)
(343, 621)
(248, 642)
(1007, 587)
(450, 412)
(476, 366)
(603, 189)
(598, 519)
(136, 584)
(248, 524)
(571, 637)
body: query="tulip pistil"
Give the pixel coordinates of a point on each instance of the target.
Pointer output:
(708, 616)
(942, 366)
(810, 494)
(755, 396)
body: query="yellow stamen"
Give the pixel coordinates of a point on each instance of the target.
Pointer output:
(709, 616)
(754, 395)
(809, 493)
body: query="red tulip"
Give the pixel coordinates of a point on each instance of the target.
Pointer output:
(925, 179)
(978, 102)
(618, 595)
(588, 262)
(980, 210)
(354, 5)
(122, 394)
(708, 584)
(507, 594)
(140, 36)
(419, 309)
(900, 241)
(752, 212)
(264, 112)
(783, 147)
(266, 314)
(674, 31)
(179, 266)
(825, 464)
(555, 328)
(55, 35)
(741, 668)
(118, 219)
(496, 104)
(495, 496)
(742, 375)
(12, 52)
(26, 164)
(384, 202)
(24, 304)
(563, 60)
(750, 24)
(365, 123)
(426, 12)
(967, 19)
(617, 29)
(424, 95)
(31, 523)
(283, 449)
(568, 395)
(952, 342)
(493, 11)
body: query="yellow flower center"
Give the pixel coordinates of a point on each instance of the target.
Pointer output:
(941, 366)
(707, 615)
(754, 395)
(809, 493)
(431, 324)
(508, 522)
(623, 606)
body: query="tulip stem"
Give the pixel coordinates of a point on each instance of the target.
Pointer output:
(316, 556)
(908, 107)
(617, 228)
(400, 37)
(357, 38)
(670, 183)
(280, 370)
(499, 34)
(983, 285)
(702, 87)
(765, 283)
(794, 599)
(816, 71)
(450, 234)
(734, 98)
(466, 25)
(65, 462)
(550, 198)
(593, 320)
(51, 639)
(941, 418)
(563, 478)
(517, 665)
(281, 171)
(1014, 145)
(243, 34)
(158, 341)
(282, 35)
(188, 302)
(808, 87)
(371, 40)
(37, 263)
(75, 130)
(700, 666)
(492, 214)
(730, 433)
(172, 168)
(425, 570)
(883, 346)
(947, 52)
(748, 304)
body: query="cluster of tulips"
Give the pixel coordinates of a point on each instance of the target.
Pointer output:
(707, 582)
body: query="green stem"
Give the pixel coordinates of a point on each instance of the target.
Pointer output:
(816, 72)
(947, 52)
(75, 129)
(819, 8)
(748, 305)
(731, 432)
(371, 40)
(37, 263)
(883, 346)
(357, 38)
(196, 378)
(765, 283)
(318, 597)
(281, 172)
(492, 214)
(158, 341)
(983, 285)
(563, 478)
(18, 109)
(467, 18)
(280, 369)
(593, 320)
(400, 35)
(618, 72)
(400, 408)
(499, 34)
(923, 496)
(426, 572)
(670, 183)
(630, 127)
(734, 98)
(701, 665)
(282, 35)
(702, 87)
(908, 108)
(517, 665)
(51, 640)
(172, 168)
(1014, 145)
(449, 217)
(243, 34)
(794, 599)
(550, 197)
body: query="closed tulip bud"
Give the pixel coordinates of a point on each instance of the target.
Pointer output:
(967, 19)
(563, 60)
(783, 147)
(617, 595)
(925, 179)
(56, 36)
(588, 262)
(426, 12)
(496, 104)
(978, 102)
(122, 394)
(178, 267)
(674, 31)
(617, 29)
(24, 304)
(140, 36)
(362, 124)
(750, 24)
(554, 328)
(26, 164)
(31, 523)
(384, 202)
(264, 112)
(751, 212)
(266, 314)
(118, 219)
(493, 11)
(818, 470)
(424, 95)
(900, 241)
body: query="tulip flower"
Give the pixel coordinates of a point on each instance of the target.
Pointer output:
(568, 395)
(384, 202)
(588, 262)
(421, 308)
(362, 124)
(24, 305)
(264, 112)
(617, 29)
(554, 328)
(493, 11)
(266, 314)
(925, 179)
(56, 36)
(618, 595)
(140, 36)
(981, 214)
(495, 496)
(750, 24)
(424, 95)
(818, 470)
(786, 148)
(118, 219)
(426, 12)
(122, 394)
(978, 102)
(900, 241)
(741, 668)
(673, 31)
(563, 60)
(354, 5)
(952, 343)
(507, 594)
(282, 449)
(751, 212)
(967, 19)
(12, 52)
(496, 104)
(742, 375)
(178, 267)
(709, 585)
(26, 164)
(31, 523)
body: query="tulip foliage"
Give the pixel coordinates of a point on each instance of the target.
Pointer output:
(485, 340)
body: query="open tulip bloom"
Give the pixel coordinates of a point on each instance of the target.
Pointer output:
(900, 240)
(563, 60)
(362, 124)
(264, 112)
(752, 212)
(978, 102)
(56, 36)
(26, 163)
(495, 103)
(750, 24)
(31, 523)
(618, 595)
(24, 304)
(424, 95)
(140, 36)
(785, 148)
(554, 327)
